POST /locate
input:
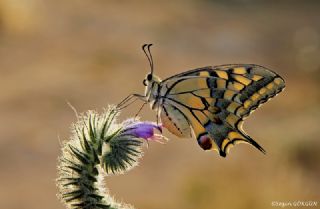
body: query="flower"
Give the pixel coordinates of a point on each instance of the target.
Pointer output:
(144, 130)
(99, 146)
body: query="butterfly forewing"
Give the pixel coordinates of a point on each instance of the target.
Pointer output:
(214, 101)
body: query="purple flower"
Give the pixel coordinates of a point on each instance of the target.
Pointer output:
(144, 130)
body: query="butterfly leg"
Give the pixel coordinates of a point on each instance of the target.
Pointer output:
(129, 100)
(158, 113)
(136, 115)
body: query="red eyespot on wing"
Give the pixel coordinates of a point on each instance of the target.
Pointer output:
(205, 142)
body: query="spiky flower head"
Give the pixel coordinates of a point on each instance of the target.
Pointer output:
(99, 145)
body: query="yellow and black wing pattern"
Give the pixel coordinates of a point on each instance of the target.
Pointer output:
(214, 101)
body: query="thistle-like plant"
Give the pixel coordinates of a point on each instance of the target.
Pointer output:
(99, 146)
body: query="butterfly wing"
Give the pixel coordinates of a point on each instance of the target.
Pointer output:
(214, 101)
(175, 120)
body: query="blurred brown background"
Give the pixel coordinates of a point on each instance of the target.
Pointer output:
(88, 53)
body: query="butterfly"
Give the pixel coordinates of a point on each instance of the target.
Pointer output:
(209, 103)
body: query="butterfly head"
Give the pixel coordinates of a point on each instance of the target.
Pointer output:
(147, 82)
(151, 81)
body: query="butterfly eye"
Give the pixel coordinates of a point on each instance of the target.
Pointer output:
(144, 82)
(149, 77)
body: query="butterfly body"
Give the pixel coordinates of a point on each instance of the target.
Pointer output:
(210, 103)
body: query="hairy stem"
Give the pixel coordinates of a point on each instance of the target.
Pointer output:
(98, 146)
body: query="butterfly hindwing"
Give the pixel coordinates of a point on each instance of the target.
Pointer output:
(215, 100)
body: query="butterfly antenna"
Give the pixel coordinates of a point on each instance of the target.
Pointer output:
(149, 56)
